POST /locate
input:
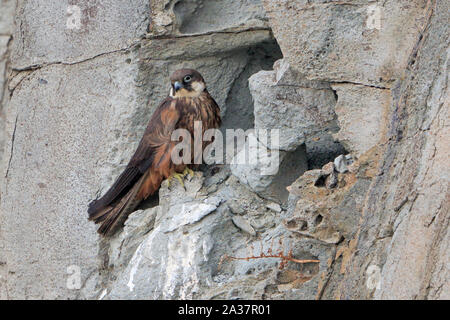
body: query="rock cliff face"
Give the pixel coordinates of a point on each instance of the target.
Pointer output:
(359, 91)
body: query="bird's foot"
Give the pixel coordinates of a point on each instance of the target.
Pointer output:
(188, 171)
(180, 177)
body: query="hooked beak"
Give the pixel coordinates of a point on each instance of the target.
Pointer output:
(177, 86)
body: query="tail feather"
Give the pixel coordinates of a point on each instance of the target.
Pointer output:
(100, 215)
(115, 215)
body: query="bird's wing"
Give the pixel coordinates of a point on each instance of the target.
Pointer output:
(157, 134)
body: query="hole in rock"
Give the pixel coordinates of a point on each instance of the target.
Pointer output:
(303, 225)
(318, 220)
(325, 150)
(320, 182)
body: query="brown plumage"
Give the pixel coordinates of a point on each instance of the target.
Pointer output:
(188, 101)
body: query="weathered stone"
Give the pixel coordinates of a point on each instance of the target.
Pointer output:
(302, 110)
(287, 76)
(7, 17)
(4, 54)
(328, 205)
(310, 216)
(417, 186)
(346, 213)
(7, 8)
(274, 206)
(235, 207)
(179, 257)
(244, 225)
(362, 116)
(329, 168)
(55, 140)
(298, 112)
(378, 229)
(172, 260)
(137, 225)
(332, 180)
(347, 41)
(340, 164)
(67, 32)
(194, 16)
(269, 174)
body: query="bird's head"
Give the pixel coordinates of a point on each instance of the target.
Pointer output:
(186, 83)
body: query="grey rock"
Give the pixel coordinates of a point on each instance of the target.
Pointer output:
(274, 206)
(236, 207)
(331, 181)
(416, 257)
(4, 60)
(7, 16)
(138, 224)
(186, 260)
(345, 216)
(315, 36)
(258, 171)
(172, 260)
(269, 174)
(55, 140)
(190, 213)
(190, 17)
(7, 8)
(244, 225)
(287, 76)
(340, 164)
(239, 105)
(61, 32)
(193, 16)
(79, 99)
(179, 256)
(362, 116)
(299, 112)
(329, 168)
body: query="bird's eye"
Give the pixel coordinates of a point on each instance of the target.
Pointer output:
(187, 79)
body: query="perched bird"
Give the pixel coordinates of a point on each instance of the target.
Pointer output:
(188, 101)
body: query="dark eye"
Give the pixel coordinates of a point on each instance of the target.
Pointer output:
(187, 79)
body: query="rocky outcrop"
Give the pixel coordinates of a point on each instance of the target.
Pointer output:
(302, 110)
(304, 113)
(361, 42)
(404, 227)
(357, 210)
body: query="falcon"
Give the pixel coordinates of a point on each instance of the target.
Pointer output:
(188, 101)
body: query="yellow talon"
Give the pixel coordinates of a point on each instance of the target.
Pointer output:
(188, 171)
(180, 176)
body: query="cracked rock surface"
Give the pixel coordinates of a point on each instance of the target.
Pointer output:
(359, 90)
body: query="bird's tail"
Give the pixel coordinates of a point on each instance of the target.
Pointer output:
(113, 216)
